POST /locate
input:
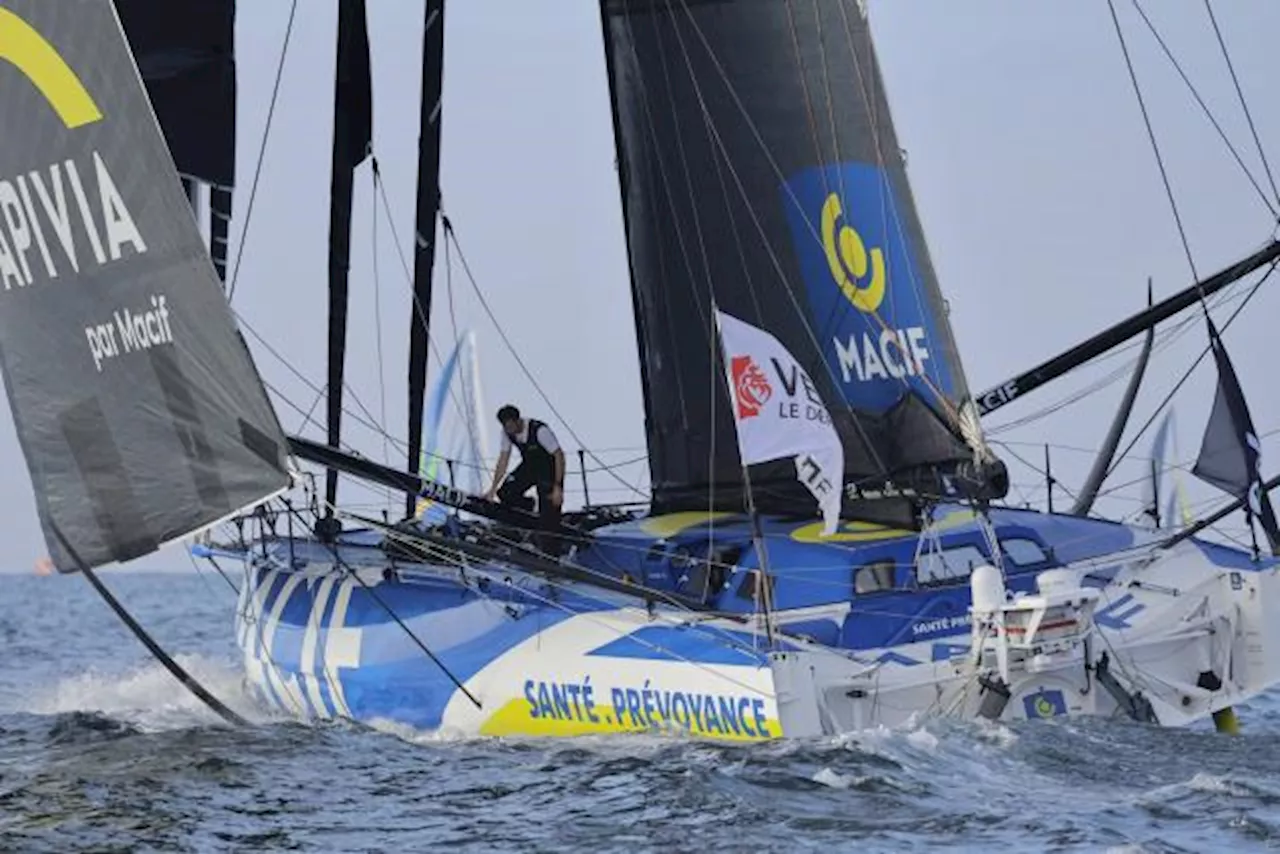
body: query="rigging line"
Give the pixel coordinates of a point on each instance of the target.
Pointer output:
(716, 378)
(692, 619)
(696, 621)
(1187, 375)
(204, 577)
(253, 619)
(409, 538)
(418, 309)
(1155, 147)
(888, 210)
(371, 423)
(804, 88)
(651, 191)
(296, 408)
(373, 594)
(308, 416)
(466, 268)
(755, 220)
(1208, 113)
(1165, 339)
(377, 324)
(262, 153)
(469, 391)
(286, 689)
(140, 633)
(1183, 467)
(1262, 154)
(1035, 468)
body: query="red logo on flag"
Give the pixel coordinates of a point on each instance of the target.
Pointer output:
(751, 388)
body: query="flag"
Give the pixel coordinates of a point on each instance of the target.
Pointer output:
(778, 413)
(1231, 455)
(1165, 501)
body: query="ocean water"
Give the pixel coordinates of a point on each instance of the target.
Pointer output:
(101, 750)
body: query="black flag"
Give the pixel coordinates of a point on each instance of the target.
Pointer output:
(1231, 455)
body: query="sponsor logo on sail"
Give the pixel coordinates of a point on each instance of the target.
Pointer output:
(869, 308)
(70, 217)
(29, 52)
(850, 261)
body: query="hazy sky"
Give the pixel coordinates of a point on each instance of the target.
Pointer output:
(1041, 202)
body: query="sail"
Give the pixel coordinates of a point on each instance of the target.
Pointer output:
(459, 439)
(760, 170)
(425, 223)
(186, 55)
(139, 411)
(1164, 499)
(352, 134)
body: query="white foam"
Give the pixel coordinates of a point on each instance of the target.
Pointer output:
(149, 696)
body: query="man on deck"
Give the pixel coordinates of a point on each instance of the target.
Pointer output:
(541, 466)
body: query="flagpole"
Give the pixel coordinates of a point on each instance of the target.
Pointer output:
(763, 589)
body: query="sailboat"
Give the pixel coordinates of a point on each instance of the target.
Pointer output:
(826, 548)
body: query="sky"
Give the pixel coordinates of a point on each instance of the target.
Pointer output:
(1030, 166)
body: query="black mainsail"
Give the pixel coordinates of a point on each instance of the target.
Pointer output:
(352, 134)
(138, 408)
(186, 55)
(760, 170)
(424, 229)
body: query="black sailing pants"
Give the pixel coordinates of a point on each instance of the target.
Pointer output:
(512, 494)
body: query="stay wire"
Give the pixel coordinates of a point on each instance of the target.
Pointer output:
(1155, 146)
(262, 153)
(484, 303)
(1177, 66)
(1187, 374)
(1244, 104)
(373, 594)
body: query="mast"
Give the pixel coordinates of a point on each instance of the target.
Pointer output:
(186, 56)
(352, 135)
(425, 222)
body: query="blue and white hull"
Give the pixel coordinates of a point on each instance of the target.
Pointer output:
(316, 645)
(1166, 636)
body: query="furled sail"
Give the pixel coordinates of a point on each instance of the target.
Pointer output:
(186, 55)
(139, 411)
(352, 134)
(759, 167)
(424, 255)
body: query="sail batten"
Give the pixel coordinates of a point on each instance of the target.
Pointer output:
(760, 172)
(139, 411)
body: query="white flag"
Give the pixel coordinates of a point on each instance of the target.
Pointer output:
(779, 413)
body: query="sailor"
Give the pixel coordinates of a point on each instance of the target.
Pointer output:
(541, 466)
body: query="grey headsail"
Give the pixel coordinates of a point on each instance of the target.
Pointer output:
(138, 407)
(760, 168)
